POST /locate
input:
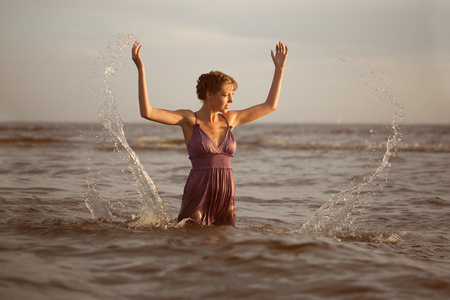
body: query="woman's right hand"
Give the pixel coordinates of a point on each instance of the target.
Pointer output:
(135, 55)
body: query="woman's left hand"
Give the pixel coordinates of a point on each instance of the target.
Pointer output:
(279, 58)
(136, 55)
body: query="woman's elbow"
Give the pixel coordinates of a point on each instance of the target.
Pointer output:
(145, 115)
(270, 107)
(273, 108)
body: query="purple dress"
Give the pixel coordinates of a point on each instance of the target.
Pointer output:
(208, 197)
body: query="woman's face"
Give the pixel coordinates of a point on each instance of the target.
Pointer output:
(221, 100)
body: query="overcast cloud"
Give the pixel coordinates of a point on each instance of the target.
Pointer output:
(339, 53)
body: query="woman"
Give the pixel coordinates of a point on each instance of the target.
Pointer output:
(208, 197)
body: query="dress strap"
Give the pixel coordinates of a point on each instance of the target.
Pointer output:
(195, 114)
(225, 119)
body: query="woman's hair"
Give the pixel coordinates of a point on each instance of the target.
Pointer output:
(212, 82)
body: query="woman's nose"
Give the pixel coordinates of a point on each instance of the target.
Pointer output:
(230, 99)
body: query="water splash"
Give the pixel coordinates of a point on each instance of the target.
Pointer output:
(149, 209)
(331, 216)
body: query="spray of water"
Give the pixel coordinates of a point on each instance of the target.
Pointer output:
(330, 217)
(151, 210)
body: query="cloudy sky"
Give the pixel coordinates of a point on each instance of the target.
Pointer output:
(347, 59)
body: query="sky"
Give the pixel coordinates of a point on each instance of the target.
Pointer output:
(349, 61)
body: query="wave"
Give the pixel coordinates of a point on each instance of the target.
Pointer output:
(161, 143)
(350, 146)
(22, 127)
(28, 141)
(157, 143)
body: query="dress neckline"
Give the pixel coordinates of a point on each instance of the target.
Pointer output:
(212, 141)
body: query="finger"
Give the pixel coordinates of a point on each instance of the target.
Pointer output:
(284, 48)
(135, 45)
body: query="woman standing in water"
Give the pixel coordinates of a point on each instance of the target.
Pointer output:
(208, 197)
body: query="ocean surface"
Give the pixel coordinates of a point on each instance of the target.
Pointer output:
(76, 224)
(343, 211)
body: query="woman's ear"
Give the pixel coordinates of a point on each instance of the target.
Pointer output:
(208, 95)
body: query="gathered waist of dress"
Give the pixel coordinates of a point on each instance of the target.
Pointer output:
(219, 160)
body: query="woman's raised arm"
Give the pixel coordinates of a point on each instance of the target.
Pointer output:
(147, 111)
(255, 112)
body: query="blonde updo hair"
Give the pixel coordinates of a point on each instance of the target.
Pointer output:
(212, 82)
